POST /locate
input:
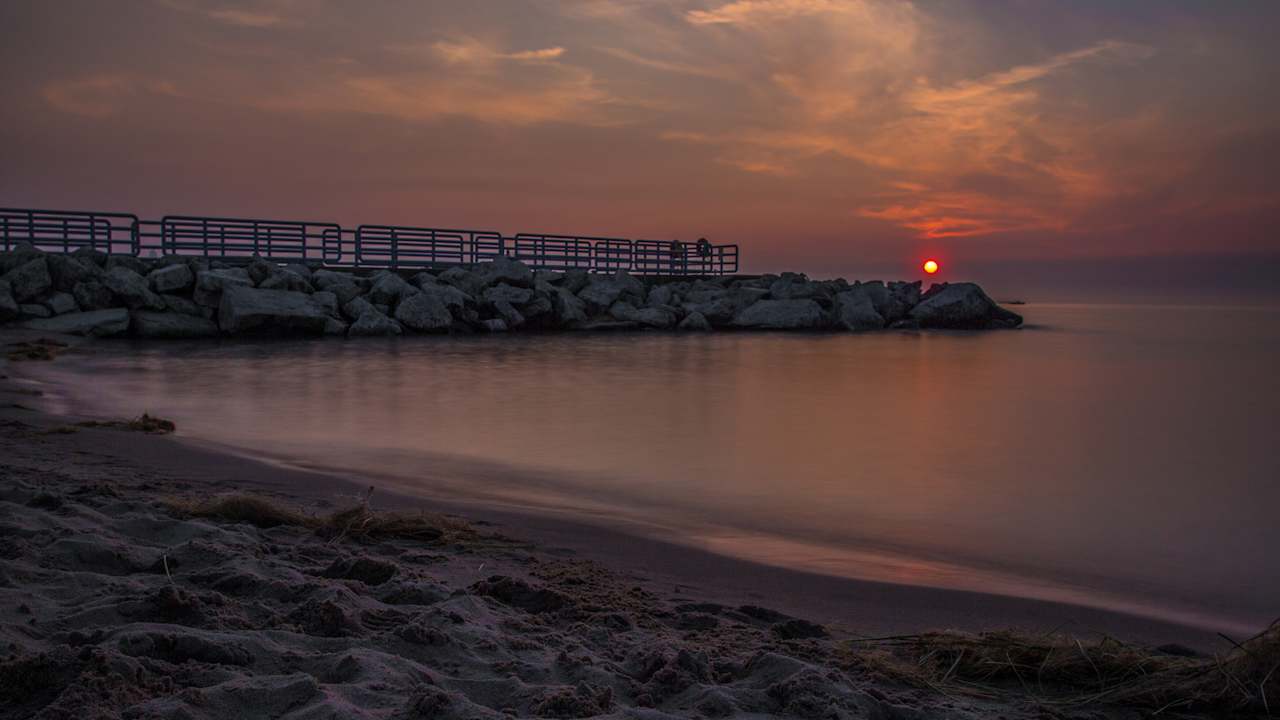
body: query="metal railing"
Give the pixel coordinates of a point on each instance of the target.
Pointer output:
(372, 246)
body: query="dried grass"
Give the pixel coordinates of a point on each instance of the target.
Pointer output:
(1058, 669)
(358, 523)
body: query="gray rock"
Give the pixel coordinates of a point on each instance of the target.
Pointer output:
(8, 306)
(132, 289)
(86, 254)
(21, 254)
(33, 311)
(660, 295)
(168, 325)
(179, 304)
(171, 278)
(356, 307)
(550, 277)
(388, 289)
(907, 293)
(623, 310)
(604, 290)
(128, 262)
(792, 286)
(607, 326)
(468, 282)
(889, 305)
(494, 325)
(334, 326)
(504, 270)
(781, 315)
(97, 323)
(567, 307)
(327, 300)
(29, 279)
(513, 295)
(657, 318)
(575, 280)
(61, 303)
(211, 283)
(373, 323)
(67, 271)
(694, 322)
(961, 306)
(424, 312)
(285, 280)
(300, 270)
(854, 310)
(244, 309)
(539, 307)
(93, 295)
(509, 314)
(260, 270)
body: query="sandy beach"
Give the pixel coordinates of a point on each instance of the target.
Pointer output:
(131, 580)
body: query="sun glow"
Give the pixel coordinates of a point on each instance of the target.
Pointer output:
(931, 266)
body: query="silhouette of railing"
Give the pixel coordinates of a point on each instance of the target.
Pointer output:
(372, 246)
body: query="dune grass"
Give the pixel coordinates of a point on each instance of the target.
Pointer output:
(1058, 669)
(359, 523)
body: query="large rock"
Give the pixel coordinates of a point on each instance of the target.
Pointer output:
(61, 303)
(67, 271)
(32, 311)
(509, 314)
(907, 293)
(567, 307)
(260, 270)
(504, 270)
(962, 306)
(29, 279)
(448, 295)
(210, 284)
(171, 278)
(93, 295)
(129, 262)
(793, 286)
(512, 294)
(602, 291)
(424, 313)
(854, 310)
(356, 307)
(132, 289)
(372, 324)
(286, 280)
(694, 322)
(465, 280)
(339, 283)
(97, 323)
(389, 288)
(781, 315)
(8, 306)
(245, 309)
(168, 325)
(656, 318)
(179, 304)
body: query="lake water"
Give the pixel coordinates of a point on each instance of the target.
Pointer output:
(1115, 456)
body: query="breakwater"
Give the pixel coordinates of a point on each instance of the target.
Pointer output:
(88, 292)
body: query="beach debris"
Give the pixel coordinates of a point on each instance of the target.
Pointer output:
(39, 349)
(143, 423)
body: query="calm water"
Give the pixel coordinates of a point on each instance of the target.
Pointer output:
(1122, 457)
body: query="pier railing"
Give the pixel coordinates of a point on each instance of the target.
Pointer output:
(367, 246)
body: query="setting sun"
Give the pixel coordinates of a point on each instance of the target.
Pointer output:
(931, 266)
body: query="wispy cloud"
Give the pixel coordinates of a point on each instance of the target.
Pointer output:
(101, 96)
(246, 18)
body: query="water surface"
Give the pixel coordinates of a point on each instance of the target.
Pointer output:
(1114, 456)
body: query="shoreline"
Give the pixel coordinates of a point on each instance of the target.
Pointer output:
(630, 545)
(142, 600)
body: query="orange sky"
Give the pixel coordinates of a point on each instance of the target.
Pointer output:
(831, 136)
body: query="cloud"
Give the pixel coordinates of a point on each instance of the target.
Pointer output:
(750, 12)
(470, 51)
(101, 96)
(246, 18)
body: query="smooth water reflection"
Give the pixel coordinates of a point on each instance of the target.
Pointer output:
(1113, 456)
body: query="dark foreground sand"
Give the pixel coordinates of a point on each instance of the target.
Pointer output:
(117, 601)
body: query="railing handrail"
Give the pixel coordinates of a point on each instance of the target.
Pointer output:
(368, 245)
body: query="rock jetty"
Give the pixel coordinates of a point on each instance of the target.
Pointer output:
(90, 293)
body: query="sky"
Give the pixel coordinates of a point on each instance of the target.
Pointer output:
(1127, 149)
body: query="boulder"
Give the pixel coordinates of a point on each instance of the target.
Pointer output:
(96, 323)
(962, 306)
(890, 306)
(67, 271)
(171, 278)
(694, 322)
(300, 270)
(132, 289)
(245, 308)
(260, 270)
(513, 295)
(602, 291)
(388, 288)
(505, 270)
(781, 315)
(623, 310)
(508, 313)
(8, 306)
(29, 279)
(907, 293)
(128, 262)
(468, 282)
(661, 295)
(567, 307)
(575, 279)
(373, 323)
(327, 300)
(33, 311)
(88, 255)
(854, 310)
(93, 295)
(285, 280)
(334, 326)
(494, 325)
(179, 304)
(424, 312)
(61, 303)
(793, 286)
(22, 253)
(356, 307)
(168, 325)
(551, 277)
(657, 318)
(448, 295)
(539, 307)
(211, 283)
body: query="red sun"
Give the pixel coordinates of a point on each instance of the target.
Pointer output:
(931, 266)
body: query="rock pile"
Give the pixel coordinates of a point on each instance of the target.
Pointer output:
(90, 293)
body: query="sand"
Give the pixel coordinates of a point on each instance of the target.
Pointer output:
(117, 601)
